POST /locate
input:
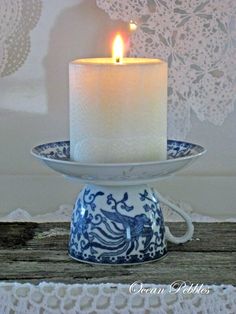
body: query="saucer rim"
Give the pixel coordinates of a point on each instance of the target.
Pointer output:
(36, 154)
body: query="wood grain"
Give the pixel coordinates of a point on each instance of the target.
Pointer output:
(32, 252)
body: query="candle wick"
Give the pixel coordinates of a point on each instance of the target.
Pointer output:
(117, 59)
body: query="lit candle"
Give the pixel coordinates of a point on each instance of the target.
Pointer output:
(118, 108)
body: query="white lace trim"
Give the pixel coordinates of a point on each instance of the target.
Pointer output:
(63, 214)
(197, 38)
(51, 298)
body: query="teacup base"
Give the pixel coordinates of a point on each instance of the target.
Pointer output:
(117, 225)
(138, 263)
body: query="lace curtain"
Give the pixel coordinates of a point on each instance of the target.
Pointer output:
(198, 39)
(17, 19)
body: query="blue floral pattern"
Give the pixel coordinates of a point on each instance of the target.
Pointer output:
(113, 236)
(152, 206)
(61, 150)
(56, 150)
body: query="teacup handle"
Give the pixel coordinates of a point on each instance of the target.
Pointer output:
(190, 228)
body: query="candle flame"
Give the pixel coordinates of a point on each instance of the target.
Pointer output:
(118, 49)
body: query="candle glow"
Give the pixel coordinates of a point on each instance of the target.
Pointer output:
(118, 49)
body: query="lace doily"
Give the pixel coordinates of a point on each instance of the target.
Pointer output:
(64, 212)
(49, 298)
(17, 19)
(197, 38)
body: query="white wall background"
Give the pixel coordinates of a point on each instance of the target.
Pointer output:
(34, 109)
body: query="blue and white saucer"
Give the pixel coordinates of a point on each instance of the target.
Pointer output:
(56, 155)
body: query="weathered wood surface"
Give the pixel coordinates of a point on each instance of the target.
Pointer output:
(32, 252)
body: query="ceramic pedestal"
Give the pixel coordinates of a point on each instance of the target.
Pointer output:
(117, 217)
(117, 225)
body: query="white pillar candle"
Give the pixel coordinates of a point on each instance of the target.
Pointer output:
(118, 110)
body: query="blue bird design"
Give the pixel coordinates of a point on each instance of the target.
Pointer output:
(128, 235)
(134, 224)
